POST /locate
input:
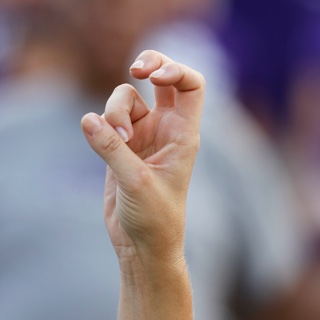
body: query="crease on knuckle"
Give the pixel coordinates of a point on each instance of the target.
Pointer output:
(111, 143)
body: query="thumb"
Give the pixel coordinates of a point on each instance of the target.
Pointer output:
(107, 143)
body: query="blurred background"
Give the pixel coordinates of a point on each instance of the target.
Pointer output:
(253, 211)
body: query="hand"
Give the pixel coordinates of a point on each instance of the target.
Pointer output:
(147, 178)
(147, 182)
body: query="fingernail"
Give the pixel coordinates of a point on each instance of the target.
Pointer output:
(92, 124)
(122, 133)
(157, 74)
(137, 65)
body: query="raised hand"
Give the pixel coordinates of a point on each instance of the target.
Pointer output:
(150, 155)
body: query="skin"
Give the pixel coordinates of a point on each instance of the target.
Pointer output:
(147, 182)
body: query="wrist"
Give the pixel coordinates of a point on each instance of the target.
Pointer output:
(150, 284)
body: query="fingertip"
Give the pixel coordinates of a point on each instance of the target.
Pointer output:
(122, 133)
(146, 62)
(91, 123)
(166, 75)
(157, 74)
(137, 65)
(137, 69)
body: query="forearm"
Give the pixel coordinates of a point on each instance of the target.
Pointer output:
(154, 290)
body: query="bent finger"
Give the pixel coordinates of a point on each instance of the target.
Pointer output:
(151, 64)
(124, 107)
(163, 72)
(189, 85)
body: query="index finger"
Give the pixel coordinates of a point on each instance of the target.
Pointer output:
(164, 72)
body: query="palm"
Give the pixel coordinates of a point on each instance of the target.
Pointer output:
(155, 141)
(154, 132)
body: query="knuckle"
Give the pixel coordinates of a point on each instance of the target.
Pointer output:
(112, 114)
(124, 87)
(147, 52)
(110, 144)
(120, 103)
(115, 116)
